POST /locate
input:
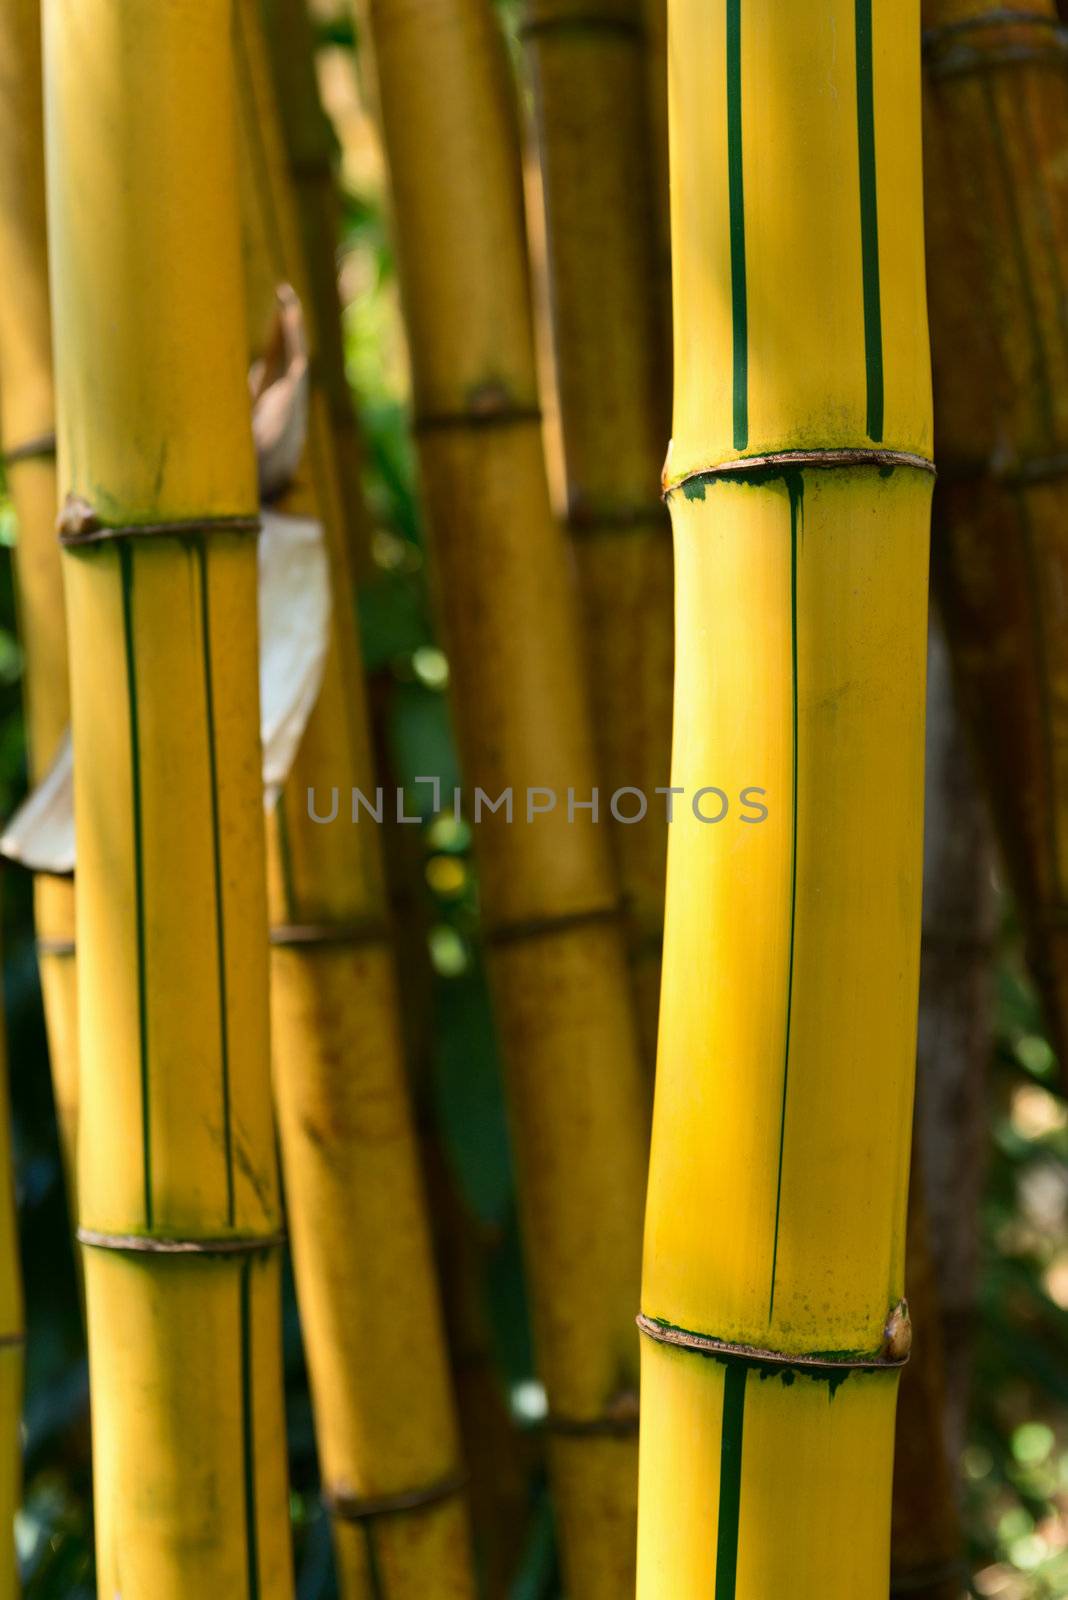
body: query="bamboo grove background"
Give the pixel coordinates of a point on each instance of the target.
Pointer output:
(1004, 1316)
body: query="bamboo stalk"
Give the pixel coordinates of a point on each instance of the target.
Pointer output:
(955, 1039)
(996, 121)
(372, 1322)
(957, 982)
(27, 430)
(12, 1344)
(799, 489)
(179, 1201)
(310, 151)
(926, 1544)
(590, 72)
(491, 1445)
(555, 952)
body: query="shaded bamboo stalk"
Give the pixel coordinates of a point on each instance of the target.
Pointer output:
(955, 1037)
(310, 151)
(27, 432)
(384, 1414)
(491, 1444)
(12, 1346)
(925, 1534)
(799, 488)
(957, 975)
(550, 913)
(589, 69)
(179, 1205)
(997, 227)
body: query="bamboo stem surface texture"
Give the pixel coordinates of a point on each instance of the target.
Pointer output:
(384, 1413)
(592, 86)
(799, 487)
(550, 904)
(27, 433)
(996, 122)
(180, 1212)
(12, 1346)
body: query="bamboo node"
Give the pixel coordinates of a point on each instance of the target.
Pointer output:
(42, 448)
(897, 1337)
(79, 524)
(619, 1420)
(350, 1507)
(831, 1364)
(778, 462)
(1000, 38)
(543, 927)
(145, 1244)
(368, 930)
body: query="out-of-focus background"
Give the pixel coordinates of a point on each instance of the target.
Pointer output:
(1016, 1457)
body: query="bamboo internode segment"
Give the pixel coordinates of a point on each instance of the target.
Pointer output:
(997, 232)
(176, 1136)
(591, 109)
(799, 487)
(311, 155)
(12, 1340)
(27, 420)
(384, 1413)
(560, 980)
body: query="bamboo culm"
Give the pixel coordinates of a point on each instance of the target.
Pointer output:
(384, 1412)
(27, 434)
(996, 116)
(554, 944)
(799, 486)
(591, 81)
(179, 1202)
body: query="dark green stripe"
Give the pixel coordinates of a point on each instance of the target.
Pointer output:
(795, 488)
(248, 1426)
(730, 1482)
(374, 1569)
(126, 572)
(736, 187)
(216, 841)
(869, 220)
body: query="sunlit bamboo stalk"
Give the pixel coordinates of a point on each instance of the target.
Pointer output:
(27, 432)
(799, 487)
(384, 1414)
(590, 74)
(178, 1188)
(996, 120)
(549, 901)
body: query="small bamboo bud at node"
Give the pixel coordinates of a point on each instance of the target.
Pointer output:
(897, 1338)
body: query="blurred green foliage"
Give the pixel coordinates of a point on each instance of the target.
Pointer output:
(1016, 1463)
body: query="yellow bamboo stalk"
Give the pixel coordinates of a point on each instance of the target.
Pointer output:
(384, 1413)
(492, 1447)
(555, 950)
(180, 1210)
(27, 430)
(996, 120)
(589, 70)
(12, 1343)
(799, 489)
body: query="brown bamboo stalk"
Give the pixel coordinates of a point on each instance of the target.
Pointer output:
(27, 430)
(956, 1025)
(549, 902)
(997, 204)
(385, 1423)
(588, 65)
